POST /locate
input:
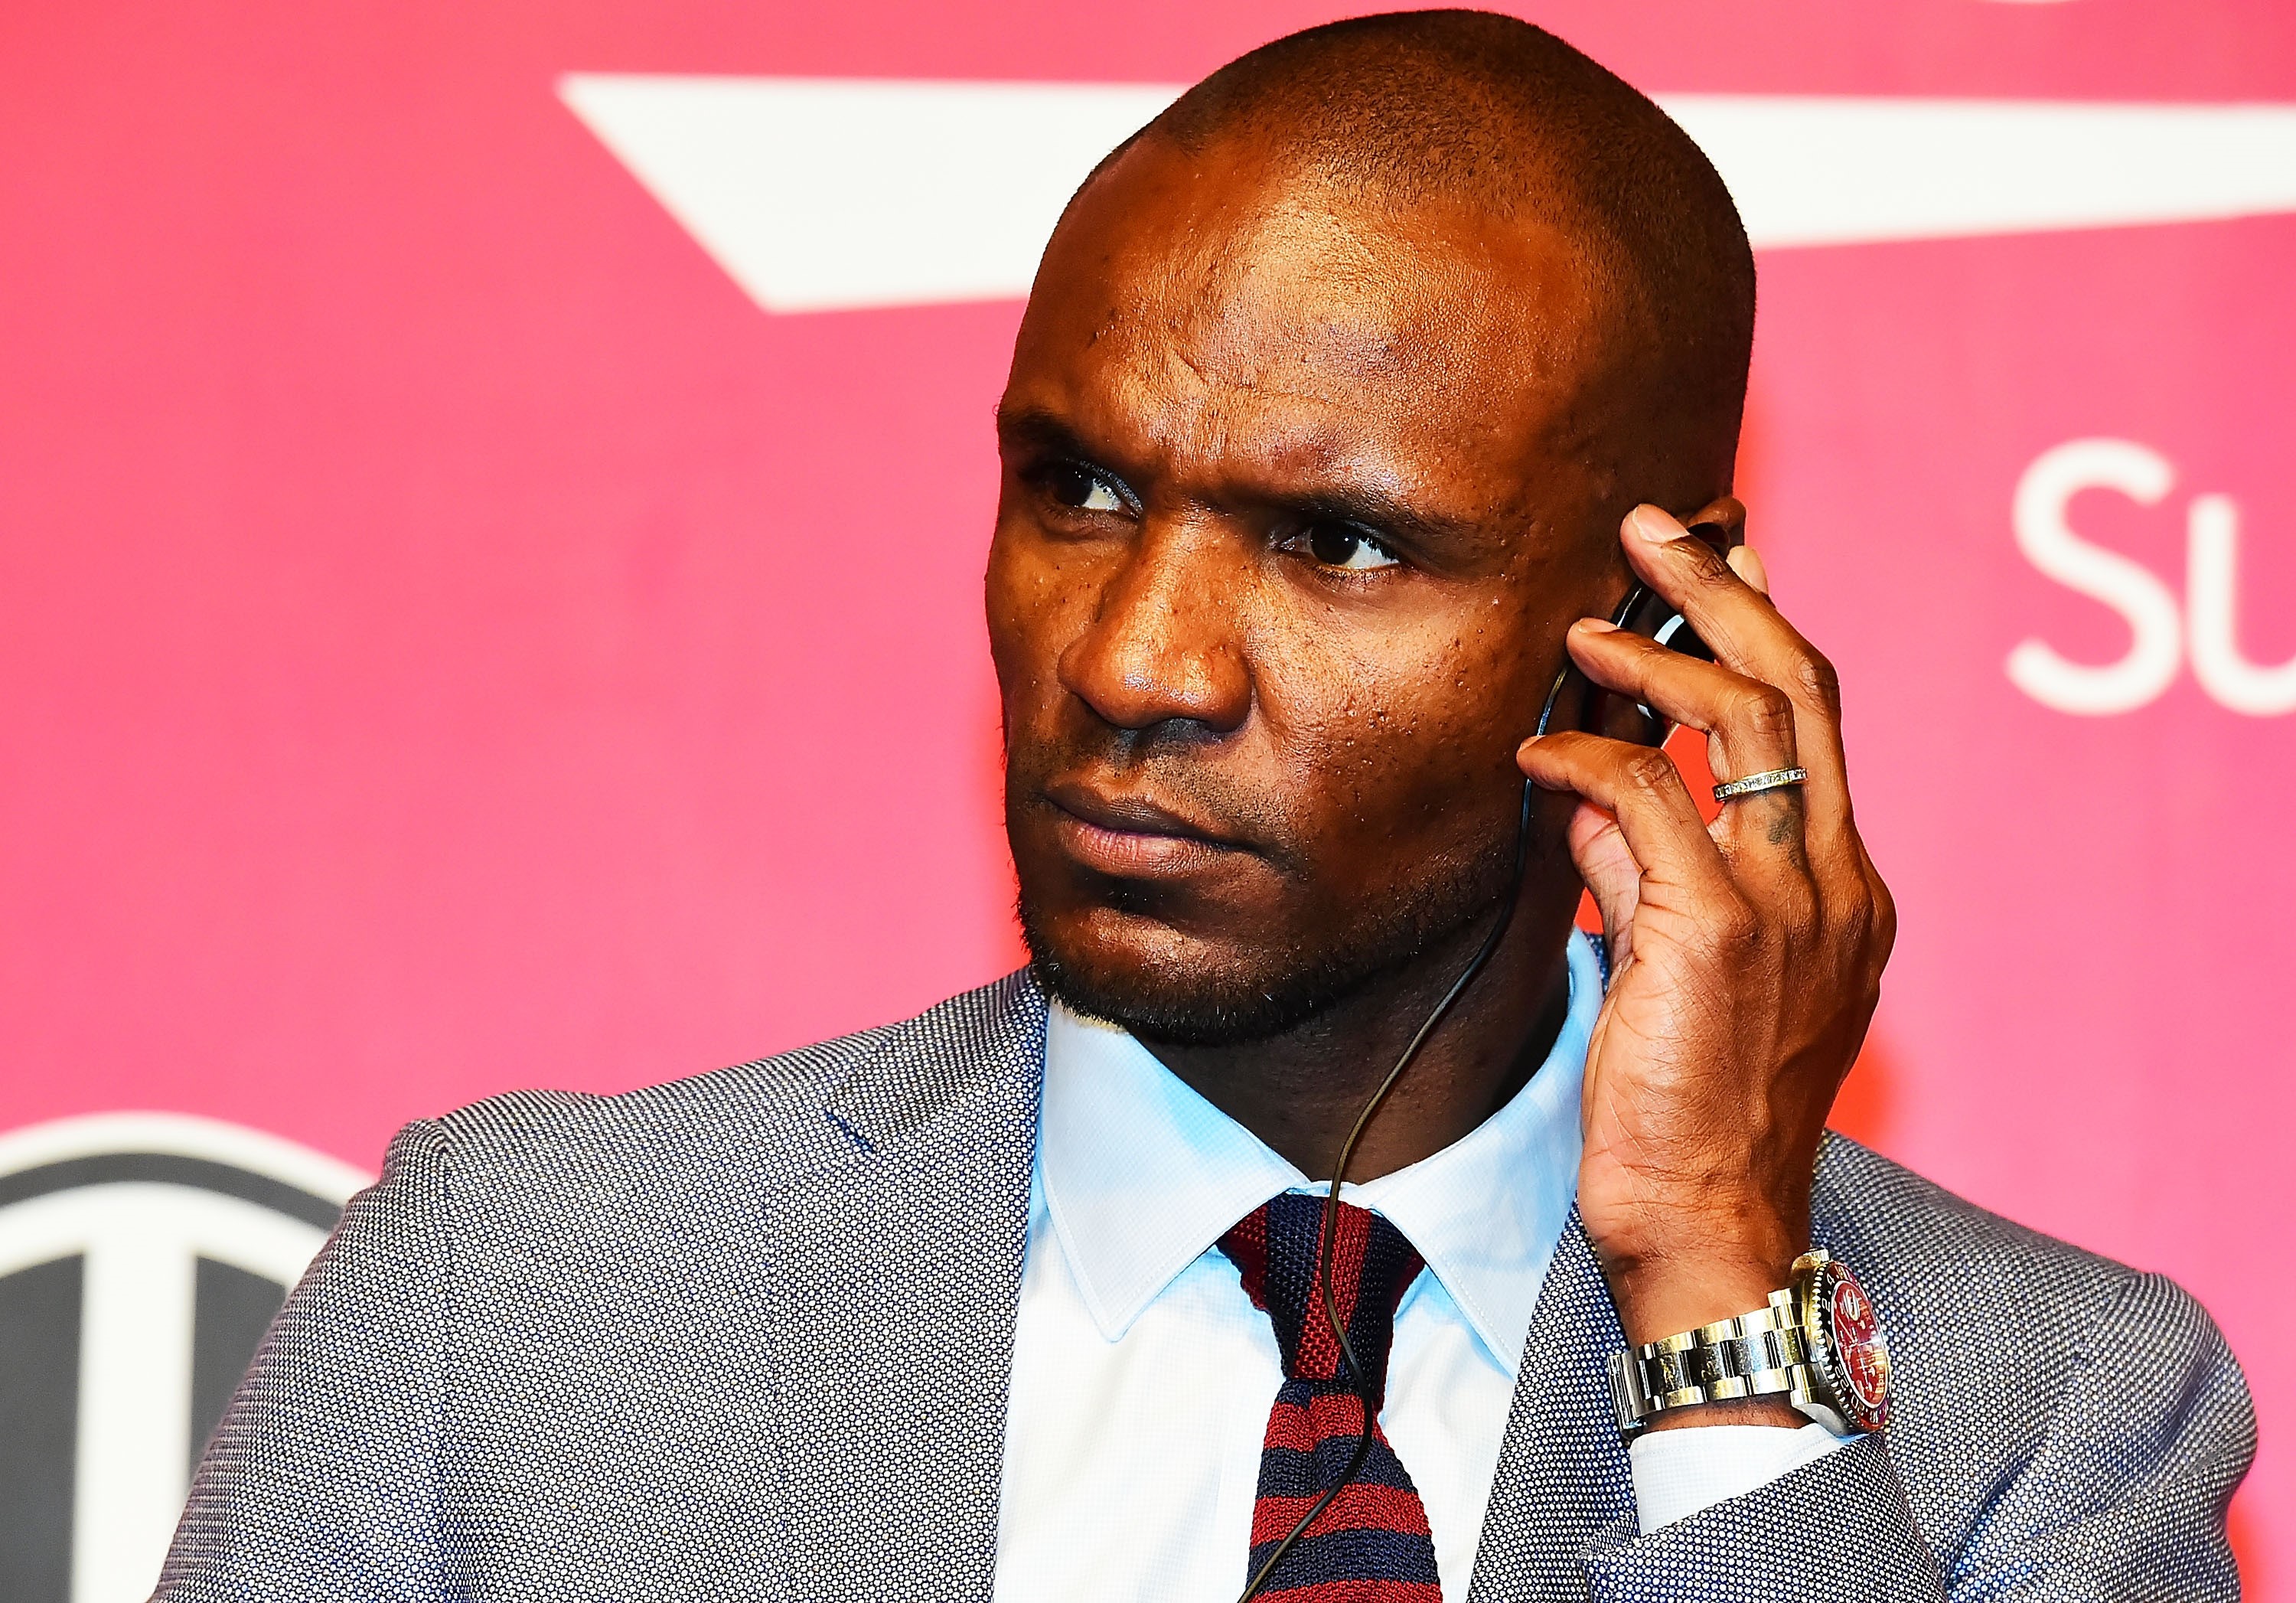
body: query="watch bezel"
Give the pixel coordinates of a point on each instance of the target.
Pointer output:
(1818, 1278)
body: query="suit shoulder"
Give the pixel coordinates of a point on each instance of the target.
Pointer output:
(770, 1116)
(1873, 1211)
(1989, 1318)
(2030, 1380)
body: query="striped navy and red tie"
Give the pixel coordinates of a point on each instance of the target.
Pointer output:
(1371, 1545)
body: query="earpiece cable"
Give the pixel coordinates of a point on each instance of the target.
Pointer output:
(1356, 1379)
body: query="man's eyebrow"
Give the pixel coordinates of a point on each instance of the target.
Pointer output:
(1384, 513)
(1039, 430)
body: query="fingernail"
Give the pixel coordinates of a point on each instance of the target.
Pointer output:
(1595, 626)
(1747, 563)
(1652, 524)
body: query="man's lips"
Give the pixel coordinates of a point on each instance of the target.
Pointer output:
(1130, 837)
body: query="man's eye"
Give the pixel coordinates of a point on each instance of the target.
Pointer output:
(1341, 545)
(1077, 487)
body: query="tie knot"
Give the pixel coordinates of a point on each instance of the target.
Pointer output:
(1274, 1248)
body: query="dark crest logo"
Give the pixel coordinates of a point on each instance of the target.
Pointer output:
(141, 1256)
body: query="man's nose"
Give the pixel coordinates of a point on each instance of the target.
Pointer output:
(1166, 641)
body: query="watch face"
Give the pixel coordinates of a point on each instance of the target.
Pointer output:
(1861, 1355)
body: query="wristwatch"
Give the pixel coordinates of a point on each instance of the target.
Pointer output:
(1817, 1346)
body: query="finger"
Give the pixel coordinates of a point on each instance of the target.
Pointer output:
(1749, 636)
(1607, 865)
(1747, 563)
(1751, 724)
(1641, 788)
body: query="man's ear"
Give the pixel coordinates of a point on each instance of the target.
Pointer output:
(1721, 523)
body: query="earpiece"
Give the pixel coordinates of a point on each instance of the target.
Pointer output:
(1647, 614)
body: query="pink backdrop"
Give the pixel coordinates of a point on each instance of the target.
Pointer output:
(453, 638)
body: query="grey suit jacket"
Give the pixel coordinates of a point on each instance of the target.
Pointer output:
(747, 1336)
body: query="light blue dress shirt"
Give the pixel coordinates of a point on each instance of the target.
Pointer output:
(1142, 1376)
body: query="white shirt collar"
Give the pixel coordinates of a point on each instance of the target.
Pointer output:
(1140, 1176)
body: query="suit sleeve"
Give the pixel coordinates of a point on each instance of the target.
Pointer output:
(2124, 1496)
(318, 1484)
(1837, 1529)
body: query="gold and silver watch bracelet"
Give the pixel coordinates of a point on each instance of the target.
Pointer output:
(1759, 1354)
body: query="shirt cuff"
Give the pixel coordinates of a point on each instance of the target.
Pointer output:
(1679, 1473)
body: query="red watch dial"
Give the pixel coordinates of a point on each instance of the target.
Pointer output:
(1861, 1355)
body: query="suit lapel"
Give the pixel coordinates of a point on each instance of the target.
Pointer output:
(896, 1277)
(1562, 1473)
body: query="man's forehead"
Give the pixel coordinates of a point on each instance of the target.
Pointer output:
(1258, 261)
(1184, 283)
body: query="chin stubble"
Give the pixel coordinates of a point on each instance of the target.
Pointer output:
(1253, 1001)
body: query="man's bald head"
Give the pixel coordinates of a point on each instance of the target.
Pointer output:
(1331, 392)
(1489, 113)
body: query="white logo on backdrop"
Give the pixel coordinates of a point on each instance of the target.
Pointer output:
(139, 1199)
(820, 193)
(2161, 634)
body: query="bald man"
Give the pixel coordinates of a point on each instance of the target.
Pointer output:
(1365, 518)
